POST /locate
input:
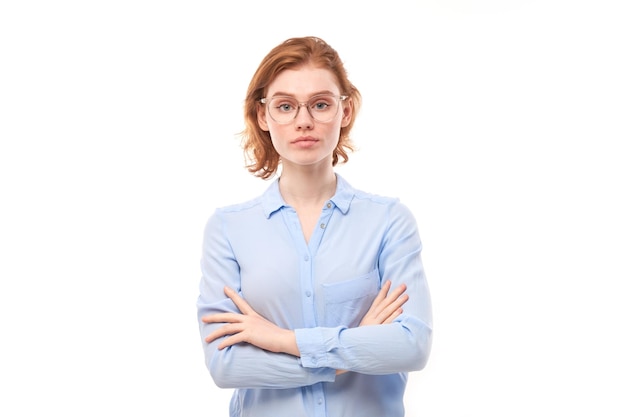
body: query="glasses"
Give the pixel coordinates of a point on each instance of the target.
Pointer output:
(283, 109)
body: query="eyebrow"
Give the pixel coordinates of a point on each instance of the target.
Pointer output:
(319, 93)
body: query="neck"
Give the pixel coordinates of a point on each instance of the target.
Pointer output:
(301, 188)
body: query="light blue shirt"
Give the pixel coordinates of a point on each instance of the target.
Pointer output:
(321, 290)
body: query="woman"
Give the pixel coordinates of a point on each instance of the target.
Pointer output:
(313, 299)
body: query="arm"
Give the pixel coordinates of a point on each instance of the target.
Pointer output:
(252, 328)
(242, 365)
(250, 358)
(401, 346)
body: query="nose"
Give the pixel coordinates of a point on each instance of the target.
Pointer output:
(304, 120)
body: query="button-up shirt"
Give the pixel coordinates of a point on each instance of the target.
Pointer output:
(321, 289)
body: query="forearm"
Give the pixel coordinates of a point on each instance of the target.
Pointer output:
(244, 365)
(402, 346)
(247, 366)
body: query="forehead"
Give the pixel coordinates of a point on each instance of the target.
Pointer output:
(303, 82)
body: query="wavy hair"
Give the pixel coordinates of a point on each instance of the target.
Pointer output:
(262, 160)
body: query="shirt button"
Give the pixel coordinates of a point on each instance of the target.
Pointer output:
(306, 258)
(308, 293)
(323, 226)
(319, 401)
(328, 205)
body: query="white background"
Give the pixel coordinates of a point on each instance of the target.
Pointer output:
(500, 123)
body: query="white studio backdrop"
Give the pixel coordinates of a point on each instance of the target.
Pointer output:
(501, 124)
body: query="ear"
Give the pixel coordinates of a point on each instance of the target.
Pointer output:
(261, 117)
(346, 116)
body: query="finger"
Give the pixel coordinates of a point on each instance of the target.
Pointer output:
(397, 292)
(230, 341)
(382, 294)
(383, 305)
(394, 295)
(383, 314)
(394, 306)
(226, 330)
(393, 316)
(231, 334)
(241, 304)
(222, 318)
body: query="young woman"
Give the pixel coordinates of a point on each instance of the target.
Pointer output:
(313, 300)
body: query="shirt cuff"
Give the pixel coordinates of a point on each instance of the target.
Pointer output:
(314, 344)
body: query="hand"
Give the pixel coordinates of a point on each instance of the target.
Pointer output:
(250, 327)
(386, 307)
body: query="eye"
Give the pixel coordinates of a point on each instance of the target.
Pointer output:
(321, 103)
(284, 106)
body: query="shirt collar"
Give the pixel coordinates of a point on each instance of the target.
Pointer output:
(273, 201)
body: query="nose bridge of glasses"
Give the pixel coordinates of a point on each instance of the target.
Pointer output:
(306, 104)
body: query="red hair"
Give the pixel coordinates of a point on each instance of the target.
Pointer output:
(261, 158)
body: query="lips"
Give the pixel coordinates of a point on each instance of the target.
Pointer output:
(305, 139)
(305, 142)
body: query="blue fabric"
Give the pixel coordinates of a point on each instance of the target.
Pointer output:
(321, 290)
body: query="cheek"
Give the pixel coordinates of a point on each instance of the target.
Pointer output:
(275, 135)
(337, 130)
(274, 132)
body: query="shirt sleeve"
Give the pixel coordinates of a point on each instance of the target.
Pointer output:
(401, 346)
(241, 365)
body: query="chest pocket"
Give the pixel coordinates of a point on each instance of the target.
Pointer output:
(346, 302)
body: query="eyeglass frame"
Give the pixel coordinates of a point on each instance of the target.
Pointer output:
(266, 100)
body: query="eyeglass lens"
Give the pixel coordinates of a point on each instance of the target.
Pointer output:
(322, 108)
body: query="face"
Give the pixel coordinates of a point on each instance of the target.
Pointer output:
(305, 141)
